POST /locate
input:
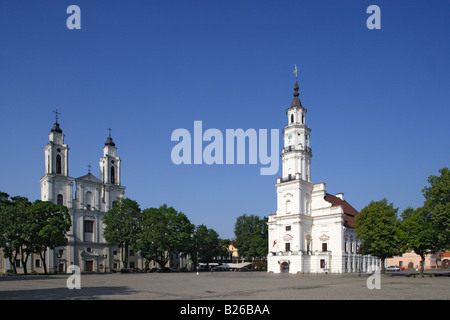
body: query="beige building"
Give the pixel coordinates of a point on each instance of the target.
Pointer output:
(411, 260)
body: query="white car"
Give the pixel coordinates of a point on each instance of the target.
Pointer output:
(392, 268)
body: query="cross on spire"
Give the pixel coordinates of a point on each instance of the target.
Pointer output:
(89, 168)
(109, 129)
(295, 72)
(57, 113)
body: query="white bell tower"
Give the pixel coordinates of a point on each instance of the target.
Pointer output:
(296, 154)
(110, 174)
(56, 185)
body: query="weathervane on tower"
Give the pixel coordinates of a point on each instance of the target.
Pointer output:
(295, 72)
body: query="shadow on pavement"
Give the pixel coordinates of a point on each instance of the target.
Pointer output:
(64, 293)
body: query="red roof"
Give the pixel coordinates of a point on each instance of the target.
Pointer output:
(349, 211)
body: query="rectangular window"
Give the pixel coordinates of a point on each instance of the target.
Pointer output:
(322, 263)
(288, 228)
(288, 246)
(324, 247)
(88, 226)
(37, 263)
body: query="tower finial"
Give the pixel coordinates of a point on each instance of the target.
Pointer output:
(109, 141)
(89, 168)
(296, 101)
(56, 127)
(57, 113)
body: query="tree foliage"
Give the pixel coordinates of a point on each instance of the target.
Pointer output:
(31, 228)
(437, 204)
(121, 226)
(251, 236)
(163, 231)
(205, 244)
(377, 228)
(49, 224)
(416, 229)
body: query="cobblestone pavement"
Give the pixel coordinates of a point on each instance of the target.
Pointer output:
(224, 286)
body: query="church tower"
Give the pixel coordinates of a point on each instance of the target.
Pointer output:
(56, 185)
(110, 173)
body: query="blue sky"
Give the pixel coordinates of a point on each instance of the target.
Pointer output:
(377, 100)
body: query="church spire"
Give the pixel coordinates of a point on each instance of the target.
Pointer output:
(296, 101)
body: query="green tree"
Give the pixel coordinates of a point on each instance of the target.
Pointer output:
(31, 228)
(206, 245)
(163, 231)
(251, 236)
(417, 233)
(13, 215)
(121, 226)
(47, 226)
(377, 226)
(437, 203)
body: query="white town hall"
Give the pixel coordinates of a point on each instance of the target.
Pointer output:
(312, 230)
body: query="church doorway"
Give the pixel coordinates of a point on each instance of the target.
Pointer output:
(89, 266)
(285, 267)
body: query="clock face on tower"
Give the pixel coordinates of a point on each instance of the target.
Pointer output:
(290, 136)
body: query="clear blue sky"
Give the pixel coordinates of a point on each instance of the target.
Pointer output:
(378, 100)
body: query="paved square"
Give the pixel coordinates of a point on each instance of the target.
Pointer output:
(223, 286)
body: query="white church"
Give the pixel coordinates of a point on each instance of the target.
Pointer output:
(93, 198)
(312, 231)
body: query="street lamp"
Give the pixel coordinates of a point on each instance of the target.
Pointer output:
(105, 256)
(59, 256)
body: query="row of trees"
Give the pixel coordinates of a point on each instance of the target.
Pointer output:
(157, 232)
(423, 230)
(27, 228)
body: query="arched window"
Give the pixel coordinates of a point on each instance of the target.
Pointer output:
(59, 200)
(113, 175)
(292, 118)
(58, 164)
(88, 199)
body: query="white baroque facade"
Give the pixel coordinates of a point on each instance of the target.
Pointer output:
(312, 230)
(93, 198)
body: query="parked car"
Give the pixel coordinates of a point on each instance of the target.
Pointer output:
(392, 268)
(222, 267)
